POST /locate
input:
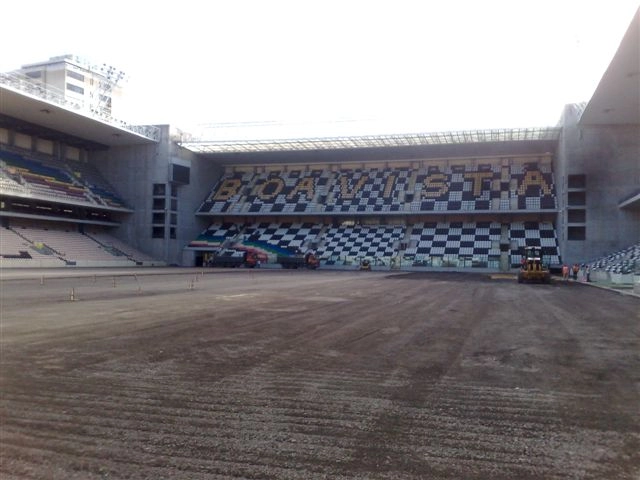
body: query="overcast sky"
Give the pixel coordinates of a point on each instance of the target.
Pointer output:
(405, 66)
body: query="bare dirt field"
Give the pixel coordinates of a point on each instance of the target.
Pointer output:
(316, 375)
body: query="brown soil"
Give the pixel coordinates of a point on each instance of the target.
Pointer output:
(316, 375)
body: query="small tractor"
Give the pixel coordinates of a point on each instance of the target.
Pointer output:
(531, 267)
(365, 265)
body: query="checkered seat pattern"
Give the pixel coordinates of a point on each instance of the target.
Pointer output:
(287, 236)
(370, 190)
(215, 235)
(433, 188)
(361, 241)
(220, 202)
(534, 234)
(455, 238)
(276, 192)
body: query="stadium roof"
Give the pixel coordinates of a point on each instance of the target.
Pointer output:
(373, 141)
(32, 106)
(616, 100)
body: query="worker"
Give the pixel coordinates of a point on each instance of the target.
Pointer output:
(565, 272)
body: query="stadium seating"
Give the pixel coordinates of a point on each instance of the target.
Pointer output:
(101, 191)
(269, 237)
(473, 240)
(118, 248)
(342, 243)
(626, 261)
(534, 234)
(17, 251)
(215, 235)
(441, 187)
(283, 239)
(68, 247)
(54, 180)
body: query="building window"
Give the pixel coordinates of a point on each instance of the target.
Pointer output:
(576, 215)
(158, 203)
(157, 232)
(75, 88)
(172, 232)
(174, 204)
(158, 218)
(576, 233)
(577, 181)
(174, 219)
(577, 199)
(159, 189)
(75, 75)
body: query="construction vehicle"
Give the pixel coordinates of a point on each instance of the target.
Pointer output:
(365, 265)
(531, 267)
(235, 259)
(308, 260)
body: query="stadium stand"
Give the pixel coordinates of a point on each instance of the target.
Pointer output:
(267, 237)
(118, 248)
(18, 251)
(427, 189)
(443, 242)
(534, 234)
(280, 238)
(347, 243)
(516, 185)
(67, 182)
(69, 245)
(215, 235)
(60, 247)
(626, 261)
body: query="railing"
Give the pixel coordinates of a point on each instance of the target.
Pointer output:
(24, 84)
(629, 197)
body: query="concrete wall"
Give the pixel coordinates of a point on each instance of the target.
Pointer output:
(133, 170)
(609, 156)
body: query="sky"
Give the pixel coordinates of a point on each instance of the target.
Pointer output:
(347, 66)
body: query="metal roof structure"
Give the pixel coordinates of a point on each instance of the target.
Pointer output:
(29, 103)
(373, 141)
(616, 100)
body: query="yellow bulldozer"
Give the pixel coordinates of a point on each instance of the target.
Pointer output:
(532, 269)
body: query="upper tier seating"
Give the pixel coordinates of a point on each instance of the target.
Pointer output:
(55, 180)
(441, 187)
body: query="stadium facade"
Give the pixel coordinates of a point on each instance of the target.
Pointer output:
(150, 195)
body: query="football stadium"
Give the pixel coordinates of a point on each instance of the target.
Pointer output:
(80, 188)
(374, 328)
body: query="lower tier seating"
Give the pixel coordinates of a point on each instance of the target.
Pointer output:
(457, 244)
(59, 246)
(361, 241)
(625, 261)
